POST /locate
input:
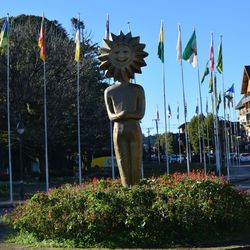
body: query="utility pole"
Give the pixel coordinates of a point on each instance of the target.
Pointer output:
(158, 140)
(149, 144)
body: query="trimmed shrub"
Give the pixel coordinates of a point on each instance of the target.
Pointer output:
(156, 213)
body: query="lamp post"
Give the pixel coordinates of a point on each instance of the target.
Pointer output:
(20, 131)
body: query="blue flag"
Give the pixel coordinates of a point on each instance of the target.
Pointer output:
(197, 109)
(169, 112)
(207, 107)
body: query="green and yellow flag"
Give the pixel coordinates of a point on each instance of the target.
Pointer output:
(210, 87)
(161, 44)
(219, 64)
(4, 35)
(77, 42)
(206, 72)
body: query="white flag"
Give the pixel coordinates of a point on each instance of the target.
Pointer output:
(179, 46)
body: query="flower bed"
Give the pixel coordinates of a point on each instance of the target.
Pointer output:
(156, 213)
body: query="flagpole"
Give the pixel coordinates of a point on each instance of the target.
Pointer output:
(224, 116)
(45, 127)
(199, 137)
(202, 120)
(235, 131)
(179, 135)
(216, 131)
(8, 113)
(164, 97)
(78, 113)
(107, 36)
(184, 106)
(208, 141)
(218, 166)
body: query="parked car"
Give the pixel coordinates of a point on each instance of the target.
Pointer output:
(172, 158)
(180, 158)
(104, 161)
(245, 157)
(233, 156)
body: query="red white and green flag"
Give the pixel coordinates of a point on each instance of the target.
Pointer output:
(211, 55)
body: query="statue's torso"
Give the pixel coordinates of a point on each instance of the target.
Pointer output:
(125, 97)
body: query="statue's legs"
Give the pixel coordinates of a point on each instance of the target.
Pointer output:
(136, 155)
(128, 150)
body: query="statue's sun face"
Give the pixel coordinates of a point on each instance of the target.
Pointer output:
(122, 57)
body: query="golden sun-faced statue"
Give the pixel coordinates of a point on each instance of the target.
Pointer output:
(122, 57)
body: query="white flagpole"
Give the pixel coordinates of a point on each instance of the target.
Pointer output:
(78, 123)
(164, 99)
(78, 116)
(179, 135)
(226, 158)
(165, 116)
(107, 36)
(8, 113)
(45, 128)
(217, 149)
(202, 120)
(199, 137)
(184, 102)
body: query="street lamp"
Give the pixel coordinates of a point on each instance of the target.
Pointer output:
(20, 131)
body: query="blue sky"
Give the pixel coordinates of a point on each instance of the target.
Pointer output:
(227, 18)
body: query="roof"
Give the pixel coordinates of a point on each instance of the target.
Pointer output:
(242, 101)
(245, 79)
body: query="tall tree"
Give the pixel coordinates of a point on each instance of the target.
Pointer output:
(26, 90)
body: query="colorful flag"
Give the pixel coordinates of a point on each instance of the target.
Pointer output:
(4, 35)
(169, 112)
(215, 86)
(107, 34)
(161, 44)
(41, 44)
(197, 108)
(185, 109)
(218, 102)
(219, 64)
(211, 55)
(190, 52)
(178, 115)
(77, 41)
(210, 86)
(157, 114)
(206, 72)
(229, 94)
(207, 106)
(230, 91)
(179, 45)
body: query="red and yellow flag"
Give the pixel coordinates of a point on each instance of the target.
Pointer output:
(41, 44)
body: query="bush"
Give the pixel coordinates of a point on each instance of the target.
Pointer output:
(155, 213)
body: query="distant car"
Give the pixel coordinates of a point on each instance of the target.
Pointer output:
(180, 158)
(245, 157)
(233, 156)
(104, 161)
(195, 158)
(210, 155)
(173, 158)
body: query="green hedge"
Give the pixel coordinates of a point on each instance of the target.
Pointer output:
(156, 213)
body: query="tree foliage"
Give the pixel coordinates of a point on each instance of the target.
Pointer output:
(27, 91)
